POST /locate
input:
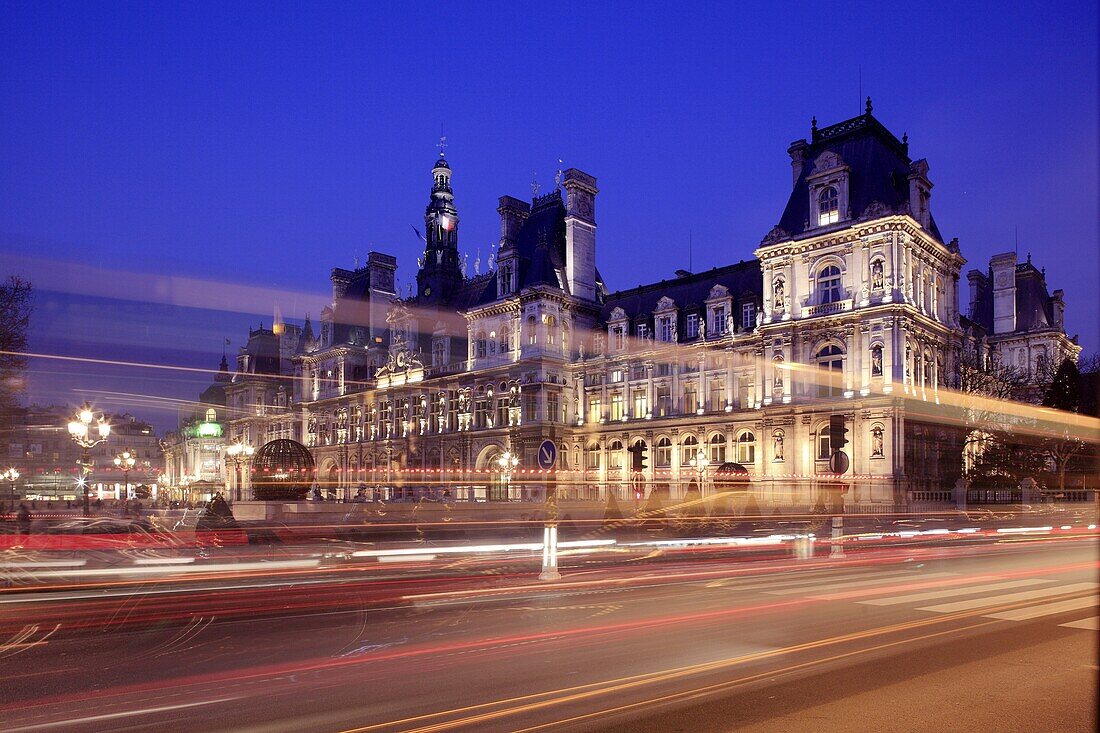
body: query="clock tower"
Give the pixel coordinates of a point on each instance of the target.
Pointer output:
(440, 273)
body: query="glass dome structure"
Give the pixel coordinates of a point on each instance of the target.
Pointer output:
(282, 470)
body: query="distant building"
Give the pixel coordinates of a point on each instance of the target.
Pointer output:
(39, 446)
(194, 454)
(851, 309)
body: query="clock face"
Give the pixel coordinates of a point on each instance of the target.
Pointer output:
(585, 206)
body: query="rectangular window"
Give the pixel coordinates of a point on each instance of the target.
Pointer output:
(592, 461)
(665, 328)
(748, 316)
(718, 320)
(529, 408)
(823, 449)
(637, 372)
(617, 406)
(641, 403)
(617, 338)
(643, 331)
(663, 457)
(664, 400)
(664, 369)
(595, 410)
(553, 407)
(692, 325)
(614, 459)
(746, 393)
(717, 394)
(691, 398)
(616, 375)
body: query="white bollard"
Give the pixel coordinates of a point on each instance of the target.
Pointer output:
(837, 550)
(550, 553)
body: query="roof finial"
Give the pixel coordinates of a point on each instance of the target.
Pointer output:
(868, 104)
(534, 183)
(1029, 258)
(905, 138)
(442, 143)
(558, 176)
(813, 124)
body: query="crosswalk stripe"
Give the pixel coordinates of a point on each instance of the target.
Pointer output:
(841, 585)
(1009, 598)
(1046, 609)
(1091, 624)
(962, 590)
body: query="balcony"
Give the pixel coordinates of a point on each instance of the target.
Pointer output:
(827, 309)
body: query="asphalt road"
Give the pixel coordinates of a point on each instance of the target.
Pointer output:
(946, 638)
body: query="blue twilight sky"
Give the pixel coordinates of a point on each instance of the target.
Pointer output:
(170, 172)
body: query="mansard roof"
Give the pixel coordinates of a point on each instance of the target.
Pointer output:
(540, 243)
(879, 168)
(1034, 305)
(689, 292)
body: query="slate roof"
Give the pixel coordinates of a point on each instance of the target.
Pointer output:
(1034, 308)
(879, 164)
(744, 281)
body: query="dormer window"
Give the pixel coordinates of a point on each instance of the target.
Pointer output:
(828, 206)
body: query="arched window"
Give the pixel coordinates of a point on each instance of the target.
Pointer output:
(717, 448)
(830, 361)
(828, 207)
(824, 447)
(746, 447)
(689, 446)
(592, 462)
(828, 284)
(532, 335)
(615, 455)
(211, 415)
(663, 453)
(551, 330)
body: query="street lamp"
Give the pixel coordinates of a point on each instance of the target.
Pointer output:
(507, 463)
(126, 460)
(82, 433)
(239, 451)
(11, 475)
(700, 463)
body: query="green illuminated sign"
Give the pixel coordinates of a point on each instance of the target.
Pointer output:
(209, 430)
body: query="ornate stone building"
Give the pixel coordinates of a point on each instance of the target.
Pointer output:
(850, 308)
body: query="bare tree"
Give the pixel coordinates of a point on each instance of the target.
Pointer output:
(15, 314)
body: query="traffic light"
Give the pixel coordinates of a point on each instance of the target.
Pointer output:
(638, 456)
(837, 432)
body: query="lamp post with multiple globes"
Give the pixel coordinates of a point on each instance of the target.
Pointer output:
(126, 460)
(507, 464)
(239, 451)
(11, 475)
(82, 433)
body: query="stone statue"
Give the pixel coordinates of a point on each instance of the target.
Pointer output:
(876, 361)
(876, 275)
(778, 287)
(729, 324)
(876, 442)
(777, 446)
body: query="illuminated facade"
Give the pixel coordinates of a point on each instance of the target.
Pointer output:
(850, 308)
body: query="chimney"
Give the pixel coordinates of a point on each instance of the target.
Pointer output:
(797, 151)
(580, 233)
(1004, 292)
(1059, 307)
(979, 286)
(920, 191)
(340, 280)
(513, 213)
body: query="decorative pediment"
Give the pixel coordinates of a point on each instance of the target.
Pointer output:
(827, 161)
(617, 314)
(874, 210)
(777, 234)
(665, 304)
(718, 292)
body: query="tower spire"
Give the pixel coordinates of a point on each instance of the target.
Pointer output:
(439, 272)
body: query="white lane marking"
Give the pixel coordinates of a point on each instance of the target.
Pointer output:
(114, 716)
(965, 590)
(836, 587)
(167, 569)
(164, 561)
(42, 564)
(1090, 624)
(1009, 598)
(1046, 609)
(477, 549)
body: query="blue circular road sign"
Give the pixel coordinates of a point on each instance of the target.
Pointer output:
(548, 455)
